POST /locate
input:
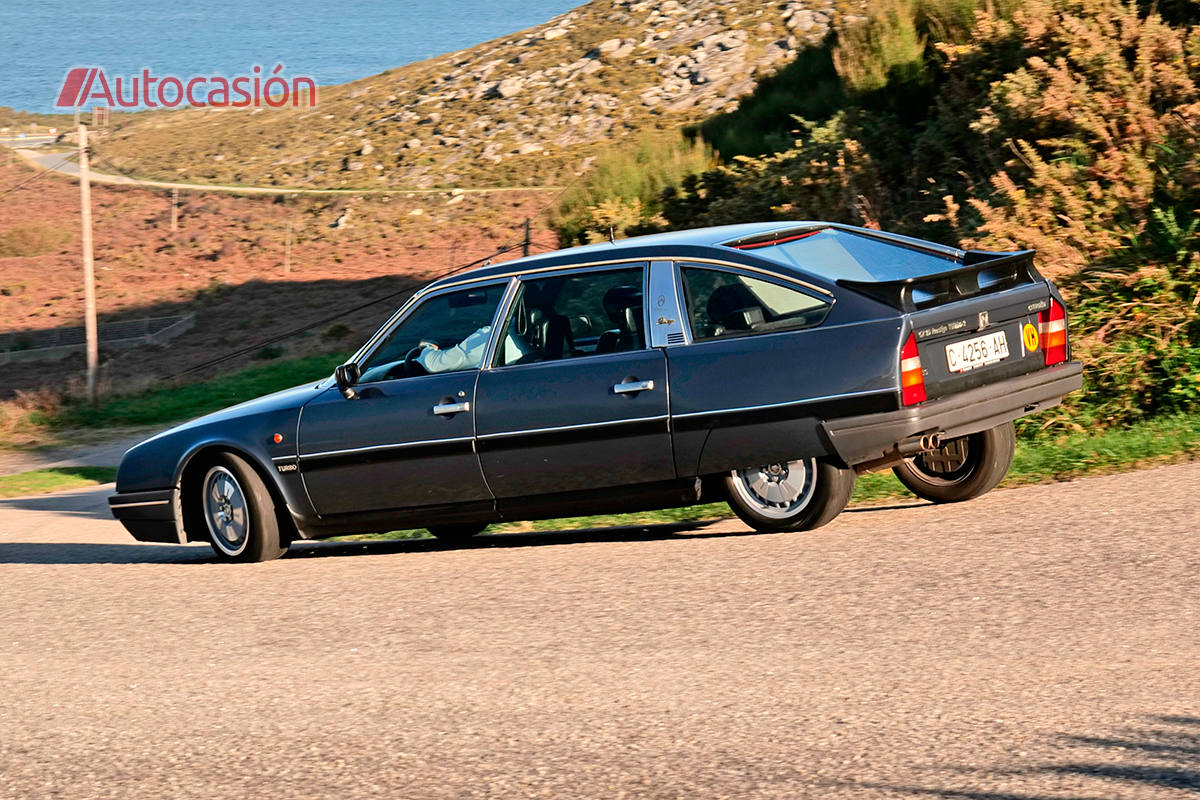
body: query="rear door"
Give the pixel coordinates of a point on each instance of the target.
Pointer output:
(574, 401)
(743, 389)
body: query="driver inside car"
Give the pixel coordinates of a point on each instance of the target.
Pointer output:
(467, 354)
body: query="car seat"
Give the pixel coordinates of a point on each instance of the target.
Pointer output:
(733, 307)
(623, 304)
(549, 332)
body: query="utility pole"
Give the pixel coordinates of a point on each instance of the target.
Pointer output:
(89, 269)
(525, 249)
(174, 209)
(287, 250)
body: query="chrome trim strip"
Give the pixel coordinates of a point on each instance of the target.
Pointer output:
(284, 458)
(489, 359)
(375, 447)
(422, 293)
(638, 260)
(500, 321)
(142, 503)
(505, 434)
(804, 402)
(419, 296)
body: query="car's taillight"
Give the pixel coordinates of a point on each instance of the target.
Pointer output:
(1052, 326)
(912, 377)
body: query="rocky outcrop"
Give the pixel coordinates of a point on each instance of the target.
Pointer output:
(530, 107)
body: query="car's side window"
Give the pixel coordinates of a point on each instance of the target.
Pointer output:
(725, 303)
(445, 333)
(567, 316)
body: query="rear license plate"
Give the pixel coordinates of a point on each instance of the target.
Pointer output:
(978, 352)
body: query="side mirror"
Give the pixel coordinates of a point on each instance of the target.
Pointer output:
(346, 376)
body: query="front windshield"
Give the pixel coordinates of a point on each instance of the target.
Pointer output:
(444, 321)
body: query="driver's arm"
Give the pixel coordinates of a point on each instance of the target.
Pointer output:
(465, 355)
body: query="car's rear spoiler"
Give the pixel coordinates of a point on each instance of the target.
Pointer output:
(979, 272)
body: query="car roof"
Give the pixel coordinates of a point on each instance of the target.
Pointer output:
(693, 243)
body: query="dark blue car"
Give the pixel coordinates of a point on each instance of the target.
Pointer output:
(763, 364)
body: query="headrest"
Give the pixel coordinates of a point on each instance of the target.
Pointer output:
(734, 306)
(621, 299)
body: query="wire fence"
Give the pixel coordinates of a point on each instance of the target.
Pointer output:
(58, 343)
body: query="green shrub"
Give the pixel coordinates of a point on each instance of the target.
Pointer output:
(1068, 126)
(622, 176)
(33, 239)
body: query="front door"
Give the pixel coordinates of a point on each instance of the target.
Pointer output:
(405, 441)
(574, 401)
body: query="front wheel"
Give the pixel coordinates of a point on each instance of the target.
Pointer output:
(239, 512)
(962, 468)
(789, 496)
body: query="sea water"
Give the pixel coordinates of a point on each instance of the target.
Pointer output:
(332, 41)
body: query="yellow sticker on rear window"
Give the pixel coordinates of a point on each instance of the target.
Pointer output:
(1030, 335)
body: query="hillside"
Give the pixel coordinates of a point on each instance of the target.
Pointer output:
(1066, 127)
(525, 109)
(229, 264)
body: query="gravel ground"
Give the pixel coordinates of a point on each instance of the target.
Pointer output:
(1036, 643)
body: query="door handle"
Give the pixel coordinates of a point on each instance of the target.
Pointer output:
(452, 408)
(633, 386)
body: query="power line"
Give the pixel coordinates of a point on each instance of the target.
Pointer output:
(332, 317)
(32, 178)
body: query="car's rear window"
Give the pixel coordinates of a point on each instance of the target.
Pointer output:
(843, 255)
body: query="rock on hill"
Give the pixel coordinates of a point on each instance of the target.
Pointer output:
(525, 109)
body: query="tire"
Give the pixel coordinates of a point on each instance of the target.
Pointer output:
(457, 534)
(963, 468)
(794, 496)
(237, 512)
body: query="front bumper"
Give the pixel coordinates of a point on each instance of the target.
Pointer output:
(148, 516)
(875, 437)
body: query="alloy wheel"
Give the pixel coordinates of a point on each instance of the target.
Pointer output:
(777, 490)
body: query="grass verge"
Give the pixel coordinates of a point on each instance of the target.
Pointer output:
(1166, 440)
(170, 404)
(54, 479)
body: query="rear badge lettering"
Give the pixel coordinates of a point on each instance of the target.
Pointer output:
(944, 328)
(286, 467)
(983, 320)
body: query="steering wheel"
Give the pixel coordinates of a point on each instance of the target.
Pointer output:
(405, 368)
(412, 367)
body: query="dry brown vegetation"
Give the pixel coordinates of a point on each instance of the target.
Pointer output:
(226, 263)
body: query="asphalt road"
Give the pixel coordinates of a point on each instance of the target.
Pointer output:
(1036, 643)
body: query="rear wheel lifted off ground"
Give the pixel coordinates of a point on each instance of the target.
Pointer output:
(789, 496)
(961, 469)
(237, 512)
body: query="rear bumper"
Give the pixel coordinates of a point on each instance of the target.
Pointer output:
(871, 437)
(148, 516)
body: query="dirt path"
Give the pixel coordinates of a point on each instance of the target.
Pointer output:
(106, 452)
(61, 163)
(1037, 644)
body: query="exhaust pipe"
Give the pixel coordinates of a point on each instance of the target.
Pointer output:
(931, 441)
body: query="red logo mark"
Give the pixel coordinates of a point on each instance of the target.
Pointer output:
(90, 86)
